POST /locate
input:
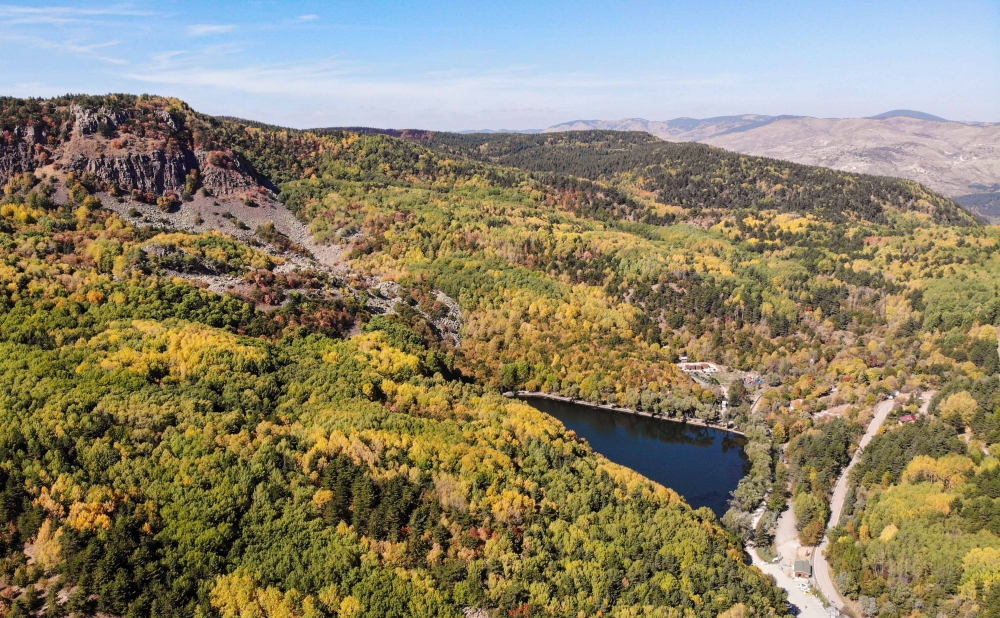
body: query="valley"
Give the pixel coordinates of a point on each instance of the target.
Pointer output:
(252, 370)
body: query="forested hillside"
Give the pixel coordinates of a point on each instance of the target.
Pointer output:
(170, 451)
(315, 434)
(697, 176)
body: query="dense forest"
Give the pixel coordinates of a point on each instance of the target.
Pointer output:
(697, 176)
(290, 447)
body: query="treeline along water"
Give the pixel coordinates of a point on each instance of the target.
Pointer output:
(701, 463)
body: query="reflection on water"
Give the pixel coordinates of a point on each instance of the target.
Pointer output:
(702, 464)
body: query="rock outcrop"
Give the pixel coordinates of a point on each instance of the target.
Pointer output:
(158, 172)
(22, 150)
(88, 121)
(117, 151)
(16, 158)
(225, 174)
(154, 172)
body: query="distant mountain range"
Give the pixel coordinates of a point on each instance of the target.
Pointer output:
(958, 159)
(676, 130)
(699, 129)
(907, 113)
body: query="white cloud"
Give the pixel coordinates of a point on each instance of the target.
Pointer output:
(207, 29)
(13, 14)
(347, 92)
(309, 17)
(69, 30)
(92, 49)
(346, 79)
(70, 46)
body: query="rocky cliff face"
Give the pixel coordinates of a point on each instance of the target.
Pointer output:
(154, 172)
(22, 150)
(159, 172)
(225, 174)
(155, 157)
(15, 158)
(89, 121)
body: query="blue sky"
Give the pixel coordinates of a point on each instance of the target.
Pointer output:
(513, 64)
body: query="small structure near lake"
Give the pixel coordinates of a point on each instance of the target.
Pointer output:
(698, 367)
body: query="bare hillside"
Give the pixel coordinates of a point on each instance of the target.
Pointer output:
(953, 158)
(676, 130)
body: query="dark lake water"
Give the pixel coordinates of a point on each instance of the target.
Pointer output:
(700, 463)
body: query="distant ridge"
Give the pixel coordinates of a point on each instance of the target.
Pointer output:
(685, 129)
(958, 159)
(523, 131)
(908, 113)
(676, 130)
(411, 134)
(251, 123)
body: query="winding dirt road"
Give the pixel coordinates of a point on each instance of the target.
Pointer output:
(821, 568)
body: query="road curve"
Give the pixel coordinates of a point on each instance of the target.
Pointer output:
(821, 568)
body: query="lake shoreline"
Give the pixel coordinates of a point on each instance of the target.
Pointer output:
(697, 422)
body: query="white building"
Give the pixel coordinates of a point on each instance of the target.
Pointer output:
(698, 367)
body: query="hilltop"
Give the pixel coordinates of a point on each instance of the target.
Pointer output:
(907, 113)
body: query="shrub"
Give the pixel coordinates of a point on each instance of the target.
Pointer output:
(167, 202)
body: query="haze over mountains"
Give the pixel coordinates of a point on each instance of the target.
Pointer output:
(959, 159)
(676, 130)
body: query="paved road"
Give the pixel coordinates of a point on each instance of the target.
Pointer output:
(821, 569)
